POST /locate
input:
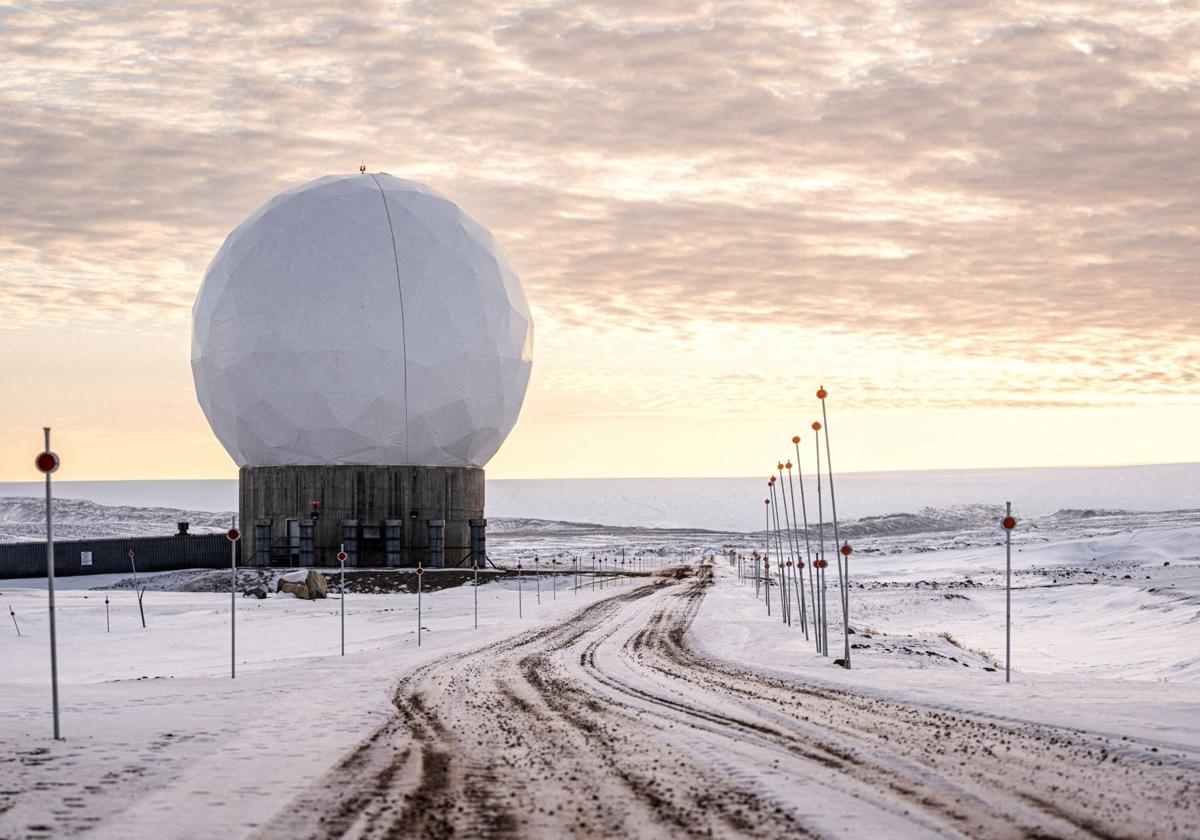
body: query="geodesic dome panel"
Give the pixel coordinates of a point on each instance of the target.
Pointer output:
(361, 319)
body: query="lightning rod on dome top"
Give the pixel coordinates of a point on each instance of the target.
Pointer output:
(823, 630)
(843, 559)
(798, 574)
(362, 167)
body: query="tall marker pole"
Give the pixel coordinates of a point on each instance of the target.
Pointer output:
(843, 575)
(812, 588)
(793, 548)
(342, 586)
(824, 628)
(475, 569)
(1009, 523)
(420, 586)
(233, 536)
(520, 606)
(537, 575)
(767, 582)
(799, 559)
(787, 522)
(783, 607)
(47, 462)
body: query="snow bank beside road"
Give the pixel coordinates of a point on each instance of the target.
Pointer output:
(1118, 657)
(160, 742)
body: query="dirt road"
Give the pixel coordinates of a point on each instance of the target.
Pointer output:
(611, 725)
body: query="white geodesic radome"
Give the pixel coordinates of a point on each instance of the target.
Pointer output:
(361, 319)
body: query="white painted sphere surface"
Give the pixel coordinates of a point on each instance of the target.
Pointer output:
(361, 319)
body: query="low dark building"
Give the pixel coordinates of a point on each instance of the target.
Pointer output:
(383, 516)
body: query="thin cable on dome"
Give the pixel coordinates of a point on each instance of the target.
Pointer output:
(403, 331)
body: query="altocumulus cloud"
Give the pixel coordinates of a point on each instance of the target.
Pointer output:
(957, 180)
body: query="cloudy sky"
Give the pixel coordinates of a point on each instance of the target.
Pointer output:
(977, 224)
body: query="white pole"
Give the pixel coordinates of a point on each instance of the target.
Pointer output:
(537, 574)
(50, 589)
(520, 606)
(420, 586)
(475, 568)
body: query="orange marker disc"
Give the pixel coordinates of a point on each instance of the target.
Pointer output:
(796, 439)
(821, 394)
(1009, 523)
(816, 426)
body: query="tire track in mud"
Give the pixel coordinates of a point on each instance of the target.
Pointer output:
(611, 724)
(500, 743)
(984, 777)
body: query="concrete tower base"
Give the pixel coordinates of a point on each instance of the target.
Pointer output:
(381, 514)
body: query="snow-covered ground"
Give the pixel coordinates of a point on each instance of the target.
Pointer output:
(160, 742)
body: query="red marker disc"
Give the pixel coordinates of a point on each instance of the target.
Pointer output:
(796, 439)
(341, 557)
(420, 571)
(846, 549)
(1009, 523)
(816, 426)
(821, 394)
(233, 535)
(46, 462)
